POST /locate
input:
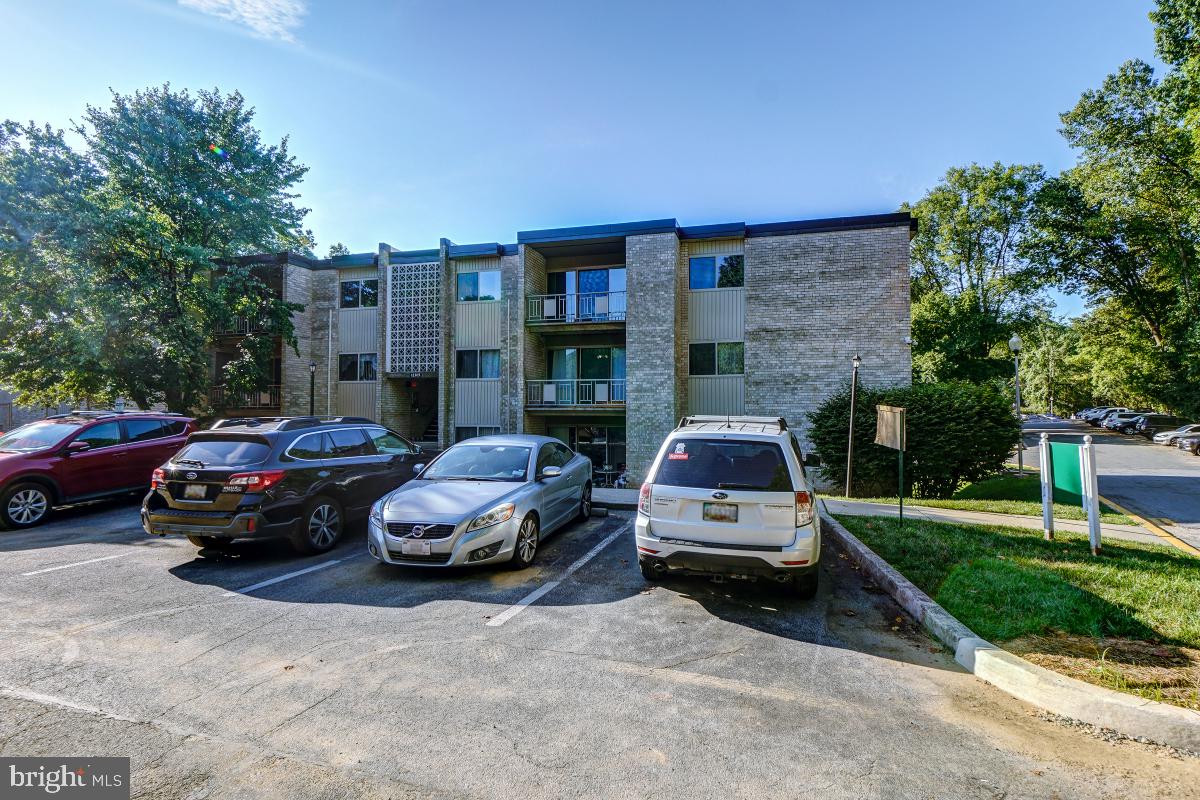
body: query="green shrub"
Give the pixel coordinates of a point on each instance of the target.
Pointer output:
(956, 432)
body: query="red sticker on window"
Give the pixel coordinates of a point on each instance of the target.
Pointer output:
(677, 456)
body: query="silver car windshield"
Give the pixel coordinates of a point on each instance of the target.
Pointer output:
(481, 462)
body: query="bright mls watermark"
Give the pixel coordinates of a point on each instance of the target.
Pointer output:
(100, 778)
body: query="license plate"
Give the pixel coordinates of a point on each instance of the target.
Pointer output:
(414, 547)
(195, 491)
(720, 512)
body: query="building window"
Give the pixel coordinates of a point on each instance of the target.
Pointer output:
(604, 446)
(360, 294)
(358, 367)
(717, 272)
(476, 286)
(477, 364)
(717, 358)
(462, 433)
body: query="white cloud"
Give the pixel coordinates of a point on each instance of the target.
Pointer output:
(266, 19)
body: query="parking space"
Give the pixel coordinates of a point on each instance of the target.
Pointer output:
(259, 674)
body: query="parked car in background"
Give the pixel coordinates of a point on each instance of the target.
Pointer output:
(1171, 438)
(1120, 420)
(83, 455)
(1096, 415)
(728, 497)
(1149, 424)
(1189, 442)
(302, 478)
(486, 500)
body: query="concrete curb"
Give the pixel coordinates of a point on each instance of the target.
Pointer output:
(1058, 694)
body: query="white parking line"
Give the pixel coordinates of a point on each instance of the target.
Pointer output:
(288, 576)
(76, 564)
(540, 592)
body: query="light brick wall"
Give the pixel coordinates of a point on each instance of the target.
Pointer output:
(446, 367)
(533, 347)
(812, 301)
(317, 291)
(512, 343)
(651, 343)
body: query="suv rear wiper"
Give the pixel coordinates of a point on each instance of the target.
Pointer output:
(197, 462)
(748, 486)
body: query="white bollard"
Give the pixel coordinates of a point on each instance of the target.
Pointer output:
(1047, 487)
(1091, 492)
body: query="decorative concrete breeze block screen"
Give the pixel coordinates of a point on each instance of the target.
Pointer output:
(414, 319)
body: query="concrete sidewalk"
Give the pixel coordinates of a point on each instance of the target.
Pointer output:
(1134, 533)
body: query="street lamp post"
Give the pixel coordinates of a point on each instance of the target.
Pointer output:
(1014, 344)
(312, 388)
(856, 362)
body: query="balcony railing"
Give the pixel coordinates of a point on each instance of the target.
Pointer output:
(543, 309)
(241, 326)
(271, 397)
(574, 393)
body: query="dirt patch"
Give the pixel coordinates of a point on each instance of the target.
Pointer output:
(1156, 671)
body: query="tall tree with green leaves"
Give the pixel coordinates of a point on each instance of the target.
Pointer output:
(968, 273)
(173, 187)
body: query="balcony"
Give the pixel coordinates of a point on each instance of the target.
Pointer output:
(576, 394)
(241, 326)
(571, 309)
(270, 398)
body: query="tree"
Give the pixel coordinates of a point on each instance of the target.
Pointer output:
(1055, 377)
(176, 183)
(968, 285)
(338, 249)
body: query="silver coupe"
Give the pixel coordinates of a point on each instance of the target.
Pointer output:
(483, 501)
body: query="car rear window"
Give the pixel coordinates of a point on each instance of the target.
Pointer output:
(724, 464)
(224, 452)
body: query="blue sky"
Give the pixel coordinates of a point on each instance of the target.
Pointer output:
(474, 120)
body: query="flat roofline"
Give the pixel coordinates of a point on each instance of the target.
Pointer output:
(856, 223)
(583, 232)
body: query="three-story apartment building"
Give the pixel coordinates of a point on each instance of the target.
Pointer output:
(602, 335)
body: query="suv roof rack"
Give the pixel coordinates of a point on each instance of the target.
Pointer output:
(289, 423)
(731, 420)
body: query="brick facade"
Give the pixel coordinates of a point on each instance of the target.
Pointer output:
(652, 263)
(814, 300)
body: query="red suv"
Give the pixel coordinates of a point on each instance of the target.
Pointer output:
(83, 455)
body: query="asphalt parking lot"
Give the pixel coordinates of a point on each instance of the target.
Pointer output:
(259, 674)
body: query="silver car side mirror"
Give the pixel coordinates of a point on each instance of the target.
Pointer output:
(551, 472)
(418, 467)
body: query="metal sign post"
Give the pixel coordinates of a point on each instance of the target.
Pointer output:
(1047, 476)
(890, 431)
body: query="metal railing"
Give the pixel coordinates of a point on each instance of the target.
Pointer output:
(241, 326)
(583, 307)
(567, 393)
(271, 397)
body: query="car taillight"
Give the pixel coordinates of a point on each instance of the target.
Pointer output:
(159, 479)
(644, 499)
(256, 481)
(804, 509)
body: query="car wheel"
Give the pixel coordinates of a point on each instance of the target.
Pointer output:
(525, 550)
(649, 573)
(24, 505)
(805, 586)
(585, 503)
(321, 526)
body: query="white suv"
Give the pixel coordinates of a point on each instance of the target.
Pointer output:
(728, 496)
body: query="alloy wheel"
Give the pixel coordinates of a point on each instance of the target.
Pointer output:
(323, 525)
(586, 505)
(27, 506)
(527, 541)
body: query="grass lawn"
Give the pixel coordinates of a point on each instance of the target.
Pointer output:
(1128, 619)
(1006, 494)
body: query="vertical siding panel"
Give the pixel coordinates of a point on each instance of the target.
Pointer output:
(717, 315)
(717, 394)
(357, 399)
(477, 402)
(478, 324)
